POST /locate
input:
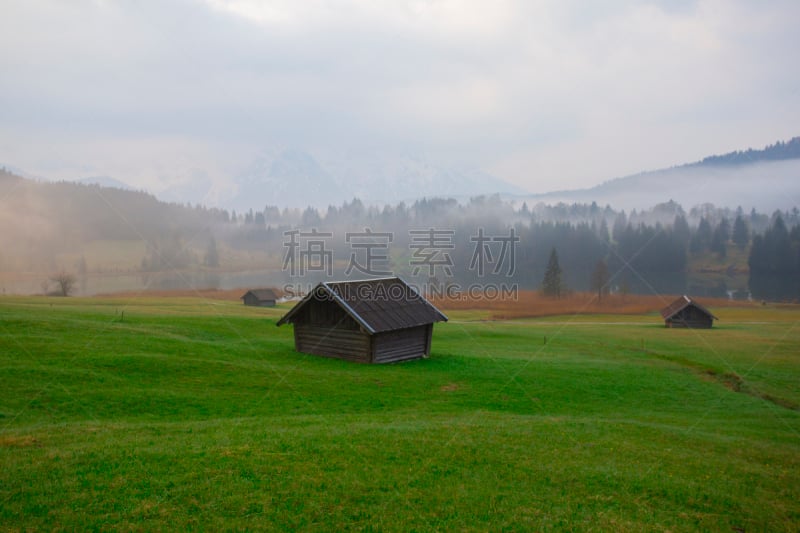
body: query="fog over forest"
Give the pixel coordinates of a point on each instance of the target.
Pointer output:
(114, 239)
(399, 265)
(764, 185)
(202, 133)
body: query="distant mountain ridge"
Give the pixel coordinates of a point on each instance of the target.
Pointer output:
(780, 151)
(295, 178)
(774, 152)
(766, 179)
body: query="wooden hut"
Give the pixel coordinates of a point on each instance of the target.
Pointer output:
(686, 313)
(369, 321)
(260, 297)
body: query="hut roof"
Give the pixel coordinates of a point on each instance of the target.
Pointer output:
(378, 305)
(680, 304)
(261, 294)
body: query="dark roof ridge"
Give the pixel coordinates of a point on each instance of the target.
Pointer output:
(364, 280)
(376, 314)
(682, 303)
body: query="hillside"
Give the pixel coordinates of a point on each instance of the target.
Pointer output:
(766, 179)
(126, 240)
(39, 220)
(774, 152)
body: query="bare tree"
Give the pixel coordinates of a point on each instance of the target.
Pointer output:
(65, 282)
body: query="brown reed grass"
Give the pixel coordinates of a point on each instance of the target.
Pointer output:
(533, 304)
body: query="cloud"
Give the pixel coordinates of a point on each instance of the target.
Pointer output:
(546, 93)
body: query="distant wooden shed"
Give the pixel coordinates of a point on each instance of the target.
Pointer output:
(260, 297)
(369, 321)
(687, 313)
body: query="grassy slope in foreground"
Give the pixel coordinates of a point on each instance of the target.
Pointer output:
(188, 413)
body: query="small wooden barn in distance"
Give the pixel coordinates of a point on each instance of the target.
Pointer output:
(686, 313)
(260, 297)
(369, 321)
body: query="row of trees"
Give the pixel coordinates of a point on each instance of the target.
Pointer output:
(776, 252)
(716, 239)
(553, 286)
(629, 250)
(774, 258)
(775, 263)
(648, 245)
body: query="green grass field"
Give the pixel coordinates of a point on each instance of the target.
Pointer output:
(174, 414)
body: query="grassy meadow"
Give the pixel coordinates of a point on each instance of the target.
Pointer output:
(155, 413)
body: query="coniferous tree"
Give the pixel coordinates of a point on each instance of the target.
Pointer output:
(780, 247)
(741, 235)
(618, 229)
(603, 231)
(774, 262)
(311, 217)
(701, 240)
(681, 231)
(719, 240)
(600, 277)
(771, 254)
(211, 258)
(551, 284)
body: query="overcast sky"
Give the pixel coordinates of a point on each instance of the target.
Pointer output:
(546, 94)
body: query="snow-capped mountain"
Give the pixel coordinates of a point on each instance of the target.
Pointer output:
(295, 178)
